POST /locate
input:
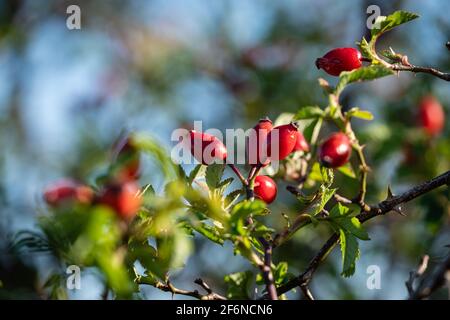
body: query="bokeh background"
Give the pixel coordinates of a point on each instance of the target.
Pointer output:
(157, 65)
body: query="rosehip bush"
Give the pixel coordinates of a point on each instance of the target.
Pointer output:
(137, 235)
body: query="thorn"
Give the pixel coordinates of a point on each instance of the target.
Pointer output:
(390, 195)
(398, 209)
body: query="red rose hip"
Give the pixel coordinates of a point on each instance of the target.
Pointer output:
(431, 115)
(68, 192)
(338, 60)
(265, 189)
(335, 151)
(206, 148)
(281, 141)
(300, 143)
(122, 198)
(256, 143)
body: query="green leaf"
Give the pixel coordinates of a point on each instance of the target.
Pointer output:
(198, 171)
(231, 198)
(350, 252)
(309, 113)
(340, 215)
(347, 170)
(280, 273)
(214, 174)
(311, 131)
(242, 211)
(338, 211)
(224, 184)
(395, 19)
(358, 113)
(247, 208)
(238, 285)
(283, 118)
(353, 226)
(209, 232)
(366, 49)
(327, 194)
(362, 74)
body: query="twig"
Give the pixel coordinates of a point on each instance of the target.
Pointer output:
(168, 287)
(416, 69)
(306, 292)
(266, 270)
(342, 199)
(238, 173)
(381, 209)
(413, 275)
(434, 281)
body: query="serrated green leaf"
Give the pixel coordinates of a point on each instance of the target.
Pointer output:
(213, 175)
(365, 48)
(232, 197)
(358, 113)
(197, 172)
(260, 230)
(362, 74)
(242, 211)
(223, 185)
(280, 273)
(309, 112)
(340, 215)
(339, 210)
(347, 170)
(391, 21)
(327, 194)
(353, 226)
(350, 252)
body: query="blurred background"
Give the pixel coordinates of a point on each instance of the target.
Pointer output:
(153, 66)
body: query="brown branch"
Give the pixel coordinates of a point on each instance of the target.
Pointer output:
(413, 275)
(434, 281)
(381, 209)
(416, 69)
(266, 270)
(168, 287)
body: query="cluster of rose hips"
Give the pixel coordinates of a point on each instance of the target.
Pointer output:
(120, 193)
(431, 113)
(334, 151)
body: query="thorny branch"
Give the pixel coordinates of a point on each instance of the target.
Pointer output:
(416, 69)
(169, 287)
(378, 210)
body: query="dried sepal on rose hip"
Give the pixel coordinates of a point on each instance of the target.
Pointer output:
(281, 141)
(123, 198)
(335, 151)
(340, 59)
(256, 147)
(206, 148)
(431, 115)
(68, 192)
(265, 189)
